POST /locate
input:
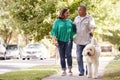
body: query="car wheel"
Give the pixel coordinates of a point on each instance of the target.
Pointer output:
(28, 58)
(4, 58)
(41, 58)
(23, 58)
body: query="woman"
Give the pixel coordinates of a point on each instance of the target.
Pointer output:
(62, 32)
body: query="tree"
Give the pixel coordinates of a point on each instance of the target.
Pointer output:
(34, 17)
(7, 24)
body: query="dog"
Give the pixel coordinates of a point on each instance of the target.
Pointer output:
(92, 53)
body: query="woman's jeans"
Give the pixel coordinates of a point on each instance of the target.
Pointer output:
(80, 58)
(65, 50)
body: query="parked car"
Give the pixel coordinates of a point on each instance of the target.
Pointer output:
(13, 51)
(38, 51)
(2, 51)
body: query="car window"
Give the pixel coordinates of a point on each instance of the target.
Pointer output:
(1, 46)
(12, 47)
(33, 46)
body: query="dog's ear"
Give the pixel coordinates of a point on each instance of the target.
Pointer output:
(95, 51)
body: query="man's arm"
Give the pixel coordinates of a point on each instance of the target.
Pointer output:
(91, 32)
(92, 26)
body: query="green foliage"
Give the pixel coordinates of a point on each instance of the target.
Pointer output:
(113, 36)
(7, 24)
(34, 18)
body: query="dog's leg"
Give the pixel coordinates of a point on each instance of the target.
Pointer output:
(95, 70)
(89, 70)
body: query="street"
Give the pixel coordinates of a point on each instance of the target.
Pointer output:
(14, 64)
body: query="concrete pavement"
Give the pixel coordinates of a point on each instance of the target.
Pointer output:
(103, 62)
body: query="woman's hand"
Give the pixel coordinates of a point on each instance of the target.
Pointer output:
(55, 41)
(56, 44)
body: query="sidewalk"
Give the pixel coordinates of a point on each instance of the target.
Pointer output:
(103, 62)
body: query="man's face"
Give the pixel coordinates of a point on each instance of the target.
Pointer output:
(81, 11)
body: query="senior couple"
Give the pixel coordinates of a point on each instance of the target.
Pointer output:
(63, 31)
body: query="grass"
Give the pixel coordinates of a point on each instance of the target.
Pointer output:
(34, 73)
(112, 71)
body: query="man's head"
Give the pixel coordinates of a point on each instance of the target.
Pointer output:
(82, 10)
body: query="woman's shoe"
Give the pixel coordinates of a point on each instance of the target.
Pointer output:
(63, 74)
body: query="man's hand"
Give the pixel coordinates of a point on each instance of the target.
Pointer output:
(91, 34)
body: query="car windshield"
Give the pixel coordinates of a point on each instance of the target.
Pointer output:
(33, 46)
(1, 45)
(12, 47)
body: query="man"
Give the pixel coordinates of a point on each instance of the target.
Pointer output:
(85, 26)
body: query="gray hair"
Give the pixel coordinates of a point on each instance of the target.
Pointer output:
(83, 6)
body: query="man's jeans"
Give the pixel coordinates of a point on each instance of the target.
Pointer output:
(65, 49)
(80, 58)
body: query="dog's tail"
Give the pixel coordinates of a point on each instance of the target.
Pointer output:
(94, 41)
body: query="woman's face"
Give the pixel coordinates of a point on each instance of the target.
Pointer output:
(66, 14)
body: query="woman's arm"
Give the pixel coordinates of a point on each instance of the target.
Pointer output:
(55, 41)
(54, 32)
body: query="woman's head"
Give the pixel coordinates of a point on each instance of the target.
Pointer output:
(64, 14)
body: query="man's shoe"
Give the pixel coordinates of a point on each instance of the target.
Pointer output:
(70, 73)
(81, 74)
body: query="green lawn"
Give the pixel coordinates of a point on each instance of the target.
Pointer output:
(35, 73)
(112, 71)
